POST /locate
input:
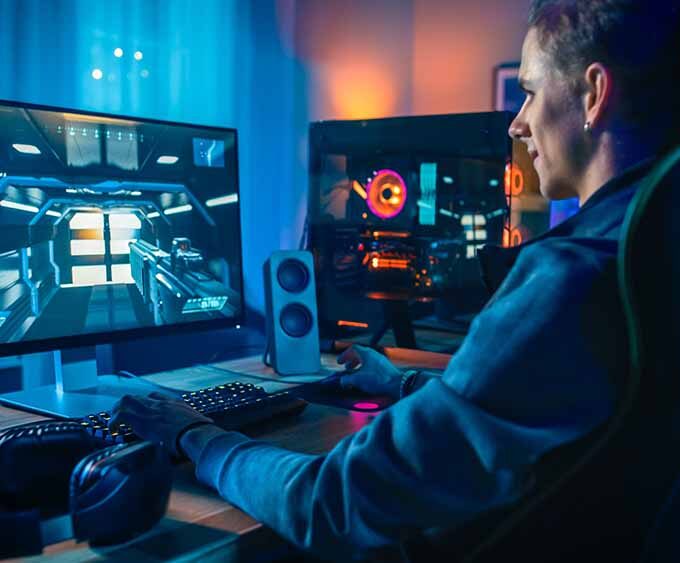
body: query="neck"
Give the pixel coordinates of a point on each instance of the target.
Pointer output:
(610, 158)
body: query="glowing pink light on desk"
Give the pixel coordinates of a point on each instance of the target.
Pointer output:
(366, 406)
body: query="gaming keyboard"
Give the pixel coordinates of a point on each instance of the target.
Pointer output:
(231, 406)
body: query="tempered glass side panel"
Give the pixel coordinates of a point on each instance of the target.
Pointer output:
(399, 207)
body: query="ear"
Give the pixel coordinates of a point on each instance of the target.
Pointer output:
(598, 92)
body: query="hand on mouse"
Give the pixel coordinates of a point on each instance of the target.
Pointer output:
(374, 373)
(157, 418)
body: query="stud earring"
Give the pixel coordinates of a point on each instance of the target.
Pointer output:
(586, 126)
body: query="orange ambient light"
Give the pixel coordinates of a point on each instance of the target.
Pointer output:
(512, 237)
(359, 189)
(378, 263)
(513, 180)
(390, 234)
(355, 324)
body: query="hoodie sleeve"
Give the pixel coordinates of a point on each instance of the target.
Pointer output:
(532, 374)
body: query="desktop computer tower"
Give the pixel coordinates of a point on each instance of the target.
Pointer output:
(398, 208)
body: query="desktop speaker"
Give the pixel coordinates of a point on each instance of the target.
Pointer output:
(290, 298)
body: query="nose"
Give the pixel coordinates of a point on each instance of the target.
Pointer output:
(519, 127)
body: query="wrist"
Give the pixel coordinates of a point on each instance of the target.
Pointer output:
(394, 388)
(408, 378)
(185, 434)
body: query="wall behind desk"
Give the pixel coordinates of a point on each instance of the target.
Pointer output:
(214, 62)
(266, 67)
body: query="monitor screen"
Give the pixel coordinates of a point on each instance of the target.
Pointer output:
(114, 227)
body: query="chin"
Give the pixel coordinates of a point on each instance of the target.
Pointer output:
(547, 193)
(555, 191)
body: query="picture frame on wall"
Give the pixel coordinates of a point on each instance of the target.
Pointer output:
(507, 95)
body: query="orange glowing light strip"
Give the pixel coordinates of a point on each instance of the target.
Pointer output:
(512, 236)
(393, 234)
(393, 263)
(353, 324)
(358, 188)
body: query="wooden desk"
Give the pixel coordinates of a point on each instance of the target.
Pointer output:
(199, 525)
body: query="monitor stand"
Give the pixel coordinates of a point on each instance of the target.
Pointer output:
(397, 317)
(66, 384)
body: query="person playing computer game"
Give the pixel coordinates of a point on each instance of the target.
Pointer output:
(541, 363)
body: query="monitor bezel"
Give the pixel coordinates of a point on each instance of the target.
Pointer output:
(109, 337)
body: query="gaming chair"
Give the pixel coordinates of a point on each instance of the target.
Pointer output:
(650, 278)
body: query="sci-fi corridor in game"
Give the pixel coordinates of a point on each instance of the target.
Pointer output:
(108, 224)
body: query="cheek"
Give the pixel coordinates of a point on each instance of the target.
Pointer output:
(564, 139)
(562, 114)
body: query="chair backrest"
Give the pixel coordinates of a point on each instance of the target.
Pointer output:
(649, 281)
(649, 278)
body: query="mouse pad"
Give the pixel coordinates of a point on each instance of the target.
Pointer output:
(336, 396)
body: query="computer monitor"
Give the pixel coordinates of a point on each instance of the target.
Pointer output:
(398, 208)
(112, 228)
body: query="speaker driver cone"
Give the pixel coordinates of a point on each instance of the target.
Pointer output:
(296, 320)
(293, 275)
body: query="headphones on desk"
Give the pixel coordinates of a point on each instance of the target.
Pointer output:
(56, 483)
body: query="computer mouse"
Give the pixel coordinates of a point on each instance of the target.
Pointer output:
(330, 391)
(333, 380)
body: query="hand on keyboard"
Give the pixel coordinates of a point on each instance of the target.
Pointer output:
(234, 405)
(157, 418)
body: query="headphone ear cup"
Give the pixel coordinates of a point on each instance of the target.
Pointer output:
(119, 492)
(36, 461)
